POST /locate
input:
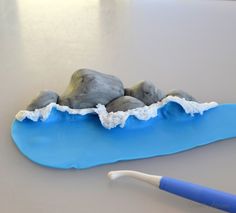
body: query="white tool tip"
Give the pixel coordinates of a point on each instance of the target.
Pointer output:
(114, 175)
(151, 179)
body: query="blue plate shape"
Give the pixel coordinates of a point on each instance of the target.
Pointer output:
(80, 141)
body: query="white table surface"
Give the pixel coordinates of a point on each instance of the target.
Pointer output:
(177, 44)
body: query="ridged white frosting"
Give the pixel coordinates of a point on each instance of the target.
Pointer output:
(113, 119)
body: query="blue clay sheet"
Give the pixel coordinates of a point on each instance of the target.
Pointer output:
(80, 141)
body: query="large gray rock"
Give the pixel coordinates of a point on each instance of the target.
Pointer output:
(146, 92)
(124, 103)
(88, 88)
(43, 99)
(181, 94)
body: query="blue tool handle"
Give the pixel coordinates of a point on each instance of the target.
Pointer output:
(214, 198)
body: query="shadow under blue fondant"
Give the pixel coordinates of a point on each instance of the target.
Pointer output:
(76, 141)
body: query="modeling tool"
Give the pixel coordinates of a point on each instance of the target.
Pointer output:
(201, 194)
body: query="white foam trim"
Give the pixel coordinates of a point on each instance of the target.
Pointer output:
(113, 119)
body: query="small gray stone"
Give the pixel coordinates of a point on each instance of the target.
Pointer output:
(181, 94)
(124, 103)
(43, 99)
(88, 88)
(146, 92)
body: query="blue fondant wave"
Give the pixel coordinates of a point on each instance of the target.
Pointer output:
(80, 141)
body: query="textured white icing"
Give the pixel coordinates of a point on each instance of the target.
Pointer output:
(113, 119)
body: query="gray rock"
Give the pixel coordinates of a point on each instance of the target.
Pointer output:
(124, 103)
(181, 94)
(88, 88)
(146, 92)
(43, 99)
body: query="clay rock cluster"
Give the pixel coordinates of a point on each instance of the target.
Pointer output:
(87, 88)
